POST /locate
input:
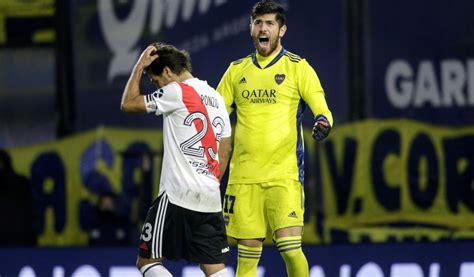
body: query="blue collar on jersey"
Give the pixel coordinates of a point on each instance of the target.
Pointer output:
(255, 62)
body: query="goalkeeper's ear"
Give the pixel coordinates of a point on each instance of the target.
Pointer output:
(321, 127)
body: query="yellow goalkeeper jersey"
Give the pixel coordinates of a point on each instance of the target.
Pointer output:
(269, 95)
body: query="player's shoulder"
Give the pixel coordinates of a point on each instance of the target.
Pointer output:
(169, 90)
(207, 89)
(174, 86)
(242, 60)
(292, 57)
(217, 101)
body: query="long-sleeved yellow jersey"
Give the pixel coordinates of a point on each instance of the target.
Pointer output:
(269, 94)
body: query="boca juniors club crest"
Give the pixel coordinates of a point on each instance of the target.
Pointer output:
(279, 78)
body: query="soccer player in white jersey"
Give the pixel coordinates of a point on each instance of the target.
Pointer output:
(185, 221)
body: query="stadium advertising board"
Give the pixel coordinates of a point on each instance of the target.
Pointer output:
(397, 180)
(68, 175)
(421, 65)
(27, 23)
(395, 260)
(373, 181)
(108, 37)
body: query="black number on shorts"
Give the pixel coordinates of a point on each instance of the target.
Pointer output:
(146, 232)
(229, 200)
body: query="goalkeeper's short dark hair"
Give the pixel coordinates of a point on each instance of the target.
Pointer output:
(269, 6)
(177, 60)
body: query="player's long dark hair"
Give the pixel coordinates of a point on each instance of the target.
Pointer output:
(269, 6)
(177, 60)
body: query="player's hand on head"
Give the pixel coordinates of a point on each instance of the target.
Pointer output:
(148, 56)
(321, 128)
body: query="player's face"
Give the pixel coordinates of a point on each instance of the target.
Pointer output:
(266, 34)
(159, 80)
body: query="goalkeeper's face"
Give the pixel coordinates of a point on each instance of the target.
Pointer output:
(266, 34)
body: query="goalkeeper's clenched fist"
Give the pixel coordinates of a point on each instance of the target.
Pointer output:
(321, 127)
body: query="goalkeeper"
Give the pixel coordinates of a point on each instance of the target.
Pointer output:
(269, 89)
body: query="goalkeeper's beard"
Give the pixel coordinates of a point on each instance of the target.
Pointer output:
(273, 44)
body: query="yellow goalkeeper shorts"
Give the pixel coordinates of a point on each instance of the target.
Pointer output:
(249, 209)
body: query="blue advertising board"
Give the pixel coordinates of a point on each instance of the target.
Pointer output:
(420, 60)
(108, 37)
(389, 260)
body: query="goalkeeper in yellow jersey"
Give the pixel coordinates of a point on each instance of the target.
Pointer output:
(269, 90)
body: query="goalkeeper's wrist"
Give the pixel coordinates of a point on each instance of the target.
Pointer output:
(320, 117)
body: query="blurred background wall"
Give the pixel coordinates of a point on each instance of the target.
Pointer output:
(398, 76)
(28, 111)
(399, 59)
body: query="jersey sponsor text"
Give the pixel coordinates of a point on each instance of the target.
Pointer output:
(260, 96)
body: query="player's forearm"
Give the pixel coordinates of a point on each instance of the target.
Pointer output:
(319, 106)
(131, 94)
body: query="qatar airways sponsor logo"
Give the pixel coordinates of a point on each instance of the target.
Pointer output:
(260, 96)
(122, 34)
(441, 84)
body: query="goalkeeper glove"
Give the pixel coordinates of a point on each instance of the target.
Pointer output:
(321, 127)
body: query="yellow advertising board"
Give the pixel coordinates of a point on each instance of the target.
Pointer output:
(372, 181)
(27, 9)
(397, 180)
(67, 176)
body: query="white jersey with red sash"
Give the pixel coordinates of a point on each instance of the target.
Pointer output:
(194, 121)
